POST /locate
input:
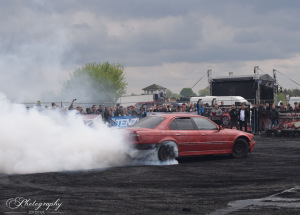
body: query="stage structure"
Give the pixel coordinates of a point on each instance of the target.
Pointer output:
(260, 87)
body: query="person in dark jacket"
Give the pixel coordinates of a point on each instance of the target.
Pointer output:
(289, 108)
(274, 116)
(143, 113)
(234, 117)
(106, 114)
(199, 107)
(254, 118)
(261, 106)
(243, 117)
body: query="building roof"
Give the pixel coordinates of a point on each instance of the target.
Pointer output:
(154, 87)
(264, 77)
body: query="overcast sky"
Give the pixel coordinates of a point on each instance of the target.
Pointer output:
(167, 42)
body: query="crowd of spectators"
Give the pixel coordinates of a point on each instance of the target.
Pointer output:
(238, 117)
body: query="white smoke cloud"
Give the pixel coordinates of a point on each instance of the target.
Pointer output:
(42, 142)
(47, 141)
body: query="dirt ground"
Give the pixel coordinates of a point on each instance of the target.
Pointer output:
(197, 185)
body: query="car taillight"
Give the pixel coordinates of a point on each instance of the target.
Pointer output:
(136, 137)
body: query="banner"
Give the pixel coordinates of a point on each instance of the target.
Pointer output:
(122, 121)
(88, 119)
(287, 120)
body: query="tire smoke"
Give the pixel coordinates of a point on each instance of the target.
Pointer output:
(48, 141)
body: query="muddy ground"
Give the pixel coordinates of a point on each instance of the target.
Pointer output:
(197, 185)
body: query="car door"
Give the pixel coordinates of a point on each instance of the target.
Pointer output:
(212, 138)
(187, 135)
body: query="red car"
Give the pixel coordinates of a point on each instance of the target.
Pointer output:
(177, 135)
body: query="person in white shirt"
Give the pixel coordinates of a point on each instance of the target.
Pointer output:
(244, 116)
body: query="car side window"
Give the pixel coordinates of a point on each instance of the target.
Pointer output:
(185, 124)
(204, 124)
(173, 125)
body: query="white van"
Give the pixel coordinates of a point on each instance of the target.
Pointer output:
(228, 100)
(293, 100)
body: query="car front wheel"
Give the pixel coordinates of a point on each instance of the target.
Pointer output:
(240, 148)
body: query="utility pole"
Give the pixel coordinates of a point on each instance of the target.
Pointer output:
(275, 88)
(256, 72)
(209, 71)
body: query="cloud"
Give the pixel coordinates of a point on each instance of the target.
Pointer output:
(42, 41)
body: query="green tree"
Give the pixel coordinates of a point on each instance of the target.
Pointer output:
(170, 94)
(95, 82)
(204, 92)
(187, 92)
(281, 97)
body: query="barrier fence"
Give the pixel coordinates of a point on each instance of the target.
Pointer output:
(258, 121)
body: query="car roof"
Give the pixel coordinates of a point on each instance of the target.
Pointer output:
(178, 115)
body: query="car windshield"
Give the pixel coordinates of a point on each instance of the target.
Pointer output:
(148, 122)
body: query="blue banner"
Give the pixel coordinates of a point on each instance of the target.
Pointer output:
(122, 121)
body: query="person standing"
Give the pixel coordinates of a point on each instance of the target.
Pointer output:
(216, 114)
(199, 107)
(274, 116)
(234, 117)
(244, 116)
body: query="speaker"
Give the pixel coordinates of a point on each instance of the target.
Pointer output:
(155, 97)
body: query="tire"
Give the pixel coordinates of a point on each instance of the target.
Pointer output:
(240, 149)
(167, 151)
(225, 120)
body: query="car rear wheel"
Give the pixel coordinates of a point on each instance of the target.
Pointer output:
(167, 151)
(240, 148)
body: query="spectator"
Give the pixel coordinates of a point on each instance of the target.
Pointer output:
(295, 104)
(118, 111)
(129, 111)
(133, 111)
(100, 109)
(222, 104)
(254, 118)
(106, 114)
(297, 108)
(267, 106)
(164, 109)
(112, 111)
(199, 107)
(281, 108)
(261, 106)
(53, 106)
(143, 113)
(213, 102)
(88, 111)
(72, 107)
(289, 108)
(172, 108)
(81, 112)
(274, 116)
(216, 114)
(243, 117)
(234, 117)
(93, 110)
